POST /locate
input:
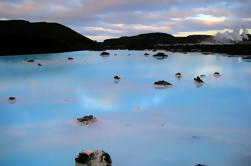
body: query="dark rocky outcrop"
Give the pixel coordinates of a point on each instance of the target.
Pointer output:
(160, 55)
(70, 58)
(87, 120)
(93, 158)
(146, 54)
(116, 78)
(178, 75)
(198, 80)
(12, 100)
(162, 84)
(39, 64)
(104, 53)
(217, 74)
(22, 37)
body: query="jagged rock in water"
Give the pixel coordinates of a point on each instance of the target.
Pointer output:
(70, 58)
(31, 60)
(197, 80)
(217, 74)
(105, 54)
(12, 100)
(162, 84)
(93, 158)
(146, 54)
(160, 55)
(116, 78)
(39, 64)
(200, 165)
(178, 75)
(87, 120)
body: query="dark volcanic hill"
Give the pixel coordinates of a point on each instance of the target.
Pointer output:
(140, 41)
(151, 40)
(23, 37)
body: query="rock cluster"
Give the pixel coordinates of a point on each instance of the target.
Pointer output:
(93, 158)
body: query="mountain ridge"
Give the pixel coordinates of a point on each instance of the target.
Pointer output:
(20, 37)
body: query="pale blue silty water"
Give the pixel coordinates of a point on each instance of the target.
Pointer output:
(138, 124)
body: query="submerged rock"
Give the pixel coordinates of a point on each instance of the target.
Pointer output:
(197, 80)
(200, 165)
(146, 54)
(160, 55)
(217, 74)
(93, 158)
(12, 100)
(178, 75)
(87, 120)
(105, 54)
(70, 58)
(31, 60)
(162, 84)
(202, 75)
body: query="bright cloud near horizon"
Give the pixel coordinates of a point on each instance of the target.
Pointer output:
(102, 19)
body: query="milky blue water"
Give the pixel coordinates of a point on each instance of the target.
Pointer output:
(138, 125)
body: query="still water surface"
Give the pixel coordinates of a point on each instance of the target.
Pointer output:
(138, 125)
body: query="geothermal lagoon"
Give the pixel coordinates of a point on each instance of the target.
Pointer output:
(137, 124)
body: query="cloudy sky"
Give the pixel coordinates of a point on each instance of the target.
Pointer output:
(101, 19)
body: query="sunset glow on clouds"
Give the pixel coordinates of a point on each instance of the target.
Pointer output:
(100, 19)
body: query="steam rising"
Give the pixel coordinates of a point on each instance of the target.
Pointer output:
(232, 37)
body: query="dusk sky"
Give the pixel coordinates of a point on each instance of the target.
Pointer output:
(102, 19)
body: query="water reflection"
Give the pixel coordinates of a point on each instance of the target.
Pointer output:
(181, 125)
